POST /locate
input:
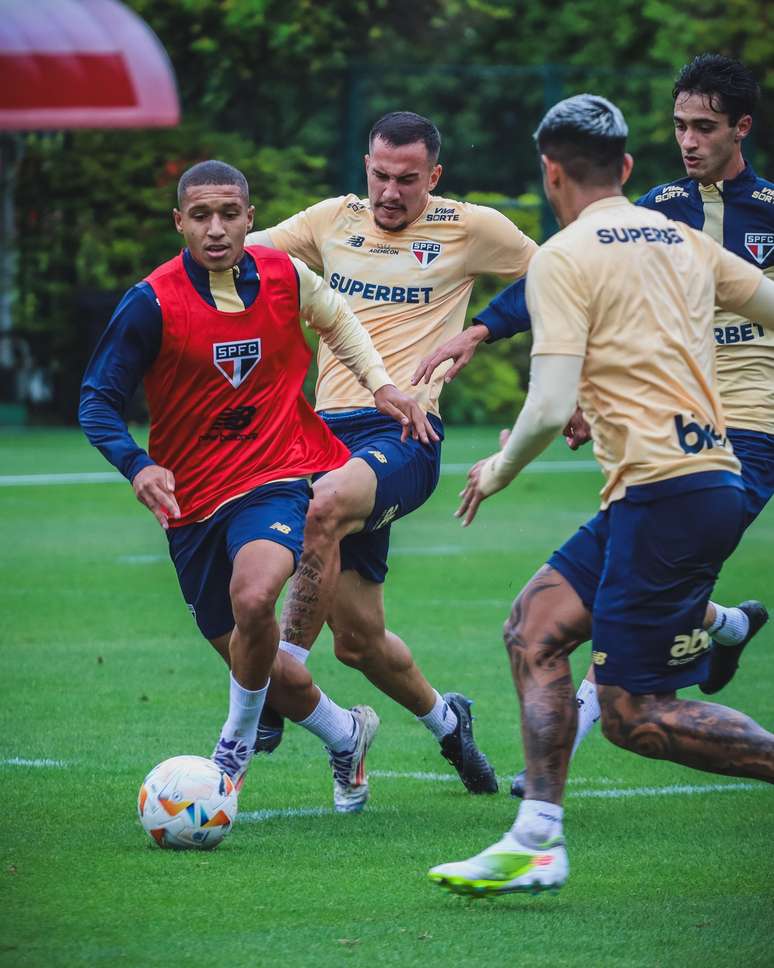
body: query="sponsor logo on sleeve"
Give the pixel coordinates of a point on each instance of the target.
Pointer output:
(760, 245)
(764, 195)
(236, 359)
(425, 252)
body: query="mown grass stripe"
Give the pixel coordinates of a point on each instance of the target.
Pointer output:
(112, 477)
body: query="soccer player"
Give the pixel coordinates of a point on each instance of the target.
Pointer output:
(621, 302)
(714, 103)
(406, 260)
(215, 335)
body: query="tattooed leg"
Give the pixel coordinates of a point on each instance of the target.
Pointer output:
(343, 500)
(547, 621)
(703, 735)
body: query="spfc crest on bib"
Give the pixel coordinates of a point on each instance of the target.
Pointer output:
(425, 252)
(760, 245)
(236, 359)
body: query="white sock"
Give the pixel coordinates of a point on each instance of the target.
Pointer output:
(441, 720)
(244, 711)
(335, 726)
(537, 822)
(588, 711)
(730, 625)
(299, 654)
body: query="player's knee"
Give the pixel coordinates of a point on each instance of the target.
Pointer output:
(324, 519)
(253, 608)
(350, 647)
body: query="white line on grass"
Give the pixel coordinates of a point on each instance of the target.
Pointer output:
(537, 467)
(677, 789)
(112, 477)
(20, 761)
(33, 480)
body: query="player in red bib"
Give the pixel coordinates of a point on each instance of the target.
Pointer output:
(214, 333)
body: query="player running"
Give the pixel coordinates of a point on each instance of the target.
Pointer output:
(406, 261)
(215, 335)
(715, 100)
(621, 302)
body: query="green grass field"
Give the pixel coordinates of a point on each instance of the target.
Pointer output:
(104, 674)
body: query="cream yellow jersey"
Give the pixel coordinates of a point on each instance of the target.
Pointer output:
(634, 294)
(409, 289)
(739, 214)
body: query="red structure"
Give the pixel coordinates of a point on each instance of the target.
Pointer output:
(81, 64)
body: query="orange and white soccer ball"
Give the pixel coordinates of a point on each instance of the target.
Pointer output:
(187, 803)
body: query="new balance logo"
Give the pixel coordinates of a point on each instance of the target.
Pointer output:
(356, 241)
(388, 515)
(233, 418)
(599, 658)
(282, 528)
(378, 455)
(693, 438)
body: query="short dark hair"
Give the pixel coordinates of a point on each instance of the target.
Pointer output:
(400, 128)
(586, 134)
(212, 173)
(728, 84)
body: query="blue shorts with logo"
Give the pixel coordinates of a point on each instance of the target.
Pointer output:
(203, 553)
(645, 568)
(755, 451)
(406, 475)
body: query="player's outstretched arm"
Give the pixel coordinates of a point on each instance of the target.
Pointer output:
(506, 315)
(154, 486)
(392, 402)
(460, 349)
(329, 314)
(552, 396)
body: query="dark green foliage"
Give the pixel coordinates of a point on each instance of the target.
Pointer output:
(288, 91)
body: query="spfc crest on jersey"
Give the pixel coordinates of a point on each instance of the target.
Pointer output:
(425, 252)
(760, 245)
(236, 359)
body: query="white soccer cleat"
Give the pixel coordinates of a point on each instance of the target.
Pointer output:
(233, 757)
(507, 867)
(350, 781)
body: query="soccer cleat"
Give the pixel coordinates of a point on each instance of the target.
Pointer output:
(271, 727)
(506, 867)
(518, 784)
(350, 781)
(233, 757)
(724, 659)
(460, 749)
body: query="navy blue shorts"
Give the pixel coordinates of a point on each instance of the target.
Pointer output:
(755, 451)
(645, 568)
(406, 475)
(203, 553)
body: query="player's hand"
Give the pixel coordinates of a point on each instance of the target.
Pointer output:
(154, 487)
(392, 402)
(480, 485)
(577, 432)
(460, 349)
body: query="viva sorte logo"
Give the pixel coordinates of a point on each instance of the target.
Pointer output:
(229, 424)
